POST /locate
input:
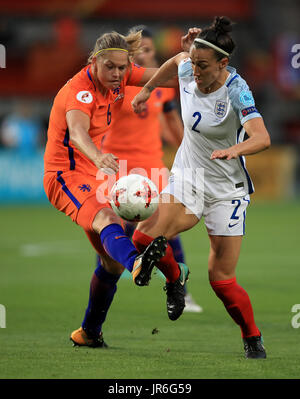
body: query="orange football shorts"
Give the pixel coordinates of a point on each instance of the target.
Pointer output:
(78, 195)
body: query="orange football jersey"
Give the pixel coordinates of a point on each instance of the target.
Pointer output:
(80, 93)
(137, 137)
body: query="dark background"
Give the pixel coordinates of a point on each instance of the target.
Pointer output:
(48, 42)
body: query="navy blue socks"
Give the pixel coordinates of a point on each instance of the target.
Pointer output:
(177, 248)
(102, 290)
(118, 246)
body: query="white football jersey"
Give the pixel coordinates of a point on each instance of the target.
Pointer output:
(211, 122)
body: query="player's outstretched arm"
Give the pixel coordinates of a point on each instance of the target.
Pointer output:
(78, 124)
(167, 72)
(259, 140)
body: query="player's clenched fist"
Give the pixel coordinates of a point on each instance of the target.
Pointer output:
(188, 39)
(138, 103)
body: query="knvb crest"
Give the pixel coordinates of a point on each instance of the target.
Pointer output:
(85, 187)
(220, 108)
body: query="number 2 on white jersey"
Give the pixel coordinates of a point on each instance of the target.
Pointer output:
(198, 116)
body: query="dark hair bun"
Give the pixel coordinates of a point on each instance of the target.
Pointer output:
(222, 25)
(218, 33)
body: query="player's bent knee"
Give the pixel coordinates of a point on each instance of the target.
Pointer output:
(104, 218)
(168, 221)
(154, 229)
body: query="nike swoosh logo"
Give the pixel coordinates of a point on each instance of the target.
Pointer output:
(184, 277)
(231, 225)
(117, 237)
(186, 91)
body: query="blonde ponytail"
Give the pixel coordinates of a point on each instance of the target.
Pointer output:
(134, 40)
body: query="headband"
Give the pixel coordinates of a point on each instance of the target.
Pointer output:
(198, 40)
(106, 49)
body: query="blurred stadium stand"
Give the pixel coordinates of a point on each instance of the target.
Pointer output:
(48, 42)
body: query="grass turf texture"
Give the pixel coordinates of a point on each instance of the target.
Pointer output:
(45, 269)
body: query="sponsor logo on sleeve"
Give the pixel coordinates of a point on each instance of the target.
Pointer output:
(249, 110)
(84, 97)
(246, 98)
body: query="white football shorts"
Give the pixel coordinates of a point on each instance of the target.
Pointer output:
(221, 217)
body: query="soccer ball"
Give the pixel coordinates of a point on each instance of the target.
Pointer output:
(134, 197)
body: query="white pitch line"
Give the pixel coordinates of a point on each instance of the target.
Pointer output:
(50, 247)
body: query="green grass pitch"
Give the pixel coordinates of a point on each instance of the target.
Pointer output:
(45, 268)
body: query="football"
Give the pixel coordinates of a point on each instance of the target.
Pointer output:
(134, 197)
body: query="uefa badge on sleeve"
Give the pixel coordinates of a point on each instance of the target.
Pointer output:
(246, 98)
(84, 97)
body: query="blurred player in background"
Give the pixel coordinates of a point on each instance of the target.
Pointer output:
(137, 137)
(81, 113)
(21, 130)
(217, 109)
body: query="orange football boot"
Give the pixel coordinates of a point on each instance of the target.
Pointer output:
(80, 338)
(144, 263)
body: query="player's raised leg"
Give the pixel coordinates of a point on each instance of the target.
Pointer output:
(223, 258)
(119, 247)
(117, 252)
(170, 219)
